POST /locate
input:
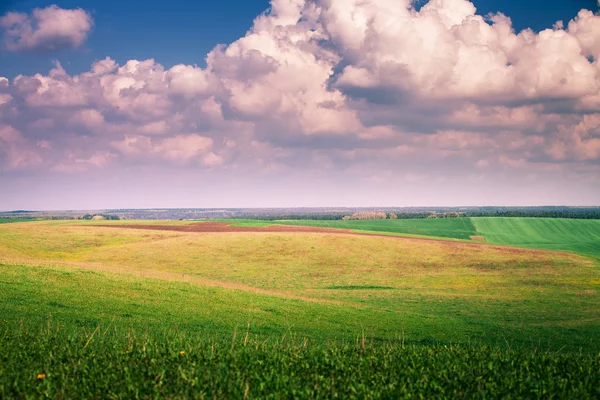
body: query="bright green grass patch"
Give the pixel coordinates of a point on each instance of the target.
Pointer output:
(84, 298)
(458, 228)
(576, 235)
(246, 222)
(14, 220)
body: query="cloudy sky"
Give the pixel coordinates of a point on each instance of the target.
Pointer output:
(299, 103)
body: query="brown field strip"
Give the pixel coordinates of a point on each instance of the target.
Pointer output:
(223, 227)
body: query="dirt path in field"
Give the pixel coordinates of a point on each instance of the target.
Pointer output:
(224, 227)
(176, 277)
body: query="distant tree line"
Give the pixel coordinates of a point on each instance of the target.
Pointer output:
(100, 216)
(576, 213)
(451, 214)
(365, 215)
(319, 214)
(327, 217)
(572, 213)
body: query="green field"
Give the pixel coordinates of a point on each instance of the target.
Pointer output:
(577, 235)
(457, 228)
(559, 234)
(105, 312)
(11, 220)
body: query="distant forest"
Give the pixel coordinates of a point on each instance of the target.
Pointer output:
(576, 213)
(316, 213)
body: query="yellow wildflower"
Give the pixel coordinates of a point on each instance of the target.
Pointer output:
(182, 352)
(41, 376)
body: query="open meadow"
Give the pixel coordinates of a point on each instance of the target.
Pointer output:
(561, 234)
(121, 309)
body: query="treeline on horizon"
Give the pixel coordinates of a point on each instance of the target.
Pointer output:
(570, 213)
(87, 217)
(314, 214)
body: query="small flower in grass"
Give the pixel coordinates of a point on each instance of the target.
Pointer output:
(41, 376)
(182, 353)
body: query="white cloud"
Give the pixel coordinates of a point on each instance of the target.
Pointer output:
(447, 51)
(15, 151)
(74, 163)
(179, 149)
(46, 29)
(88, 118)
(340, 84)
(586, 28)
(182, 148)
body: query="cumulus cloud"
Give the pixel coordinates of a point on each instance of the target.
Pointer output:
(179, 149)
(75, 163)
(360, 86)
(15, 151)
(45, 29)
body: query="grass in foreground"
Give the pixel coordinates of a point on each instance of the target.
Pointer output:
(111, 362)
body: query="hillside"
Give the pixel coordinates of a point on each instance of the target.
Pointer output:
(580, 236)
(111, 309)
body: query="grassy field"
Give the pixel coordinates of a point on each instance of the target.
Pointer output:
(11, 220)
(558, 234)
(457, 228)
(105, 312)
(576, 235)
(110, 362)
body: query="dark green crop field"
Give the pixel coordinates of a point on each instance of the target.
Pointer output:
(578, 236)
(12, 220)
(457, 228)
(100, 312)
(558, 234)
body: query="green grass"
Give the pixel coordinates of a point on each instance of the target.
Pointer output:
(105, 312)
(576, 235)
(458, 228)
(97, 334)
(247, 222)
(12, 220)
(448, 291)
(557, 234)
(111, 362)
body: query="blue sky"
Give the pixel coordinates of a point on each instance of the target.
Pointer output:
(181, 31)
(171, 32)
(313, 103)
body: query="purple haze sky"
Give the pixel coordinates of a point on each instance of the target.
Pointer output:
(306, 103)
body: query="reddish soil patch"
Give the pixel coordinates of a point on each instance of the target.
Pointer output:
(223, 227)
